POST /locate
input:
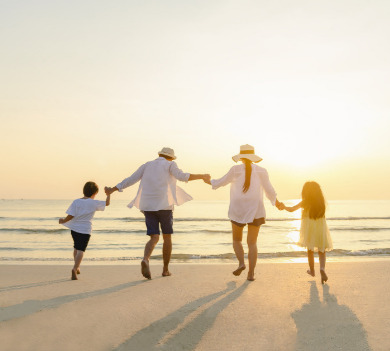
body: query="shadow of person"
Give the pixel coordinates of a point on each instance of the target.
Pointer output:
(169, 333)
(32, 285)
(33, 306)
(327, 325)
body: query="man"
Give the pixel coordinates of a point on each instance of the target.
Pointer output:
(156, 197)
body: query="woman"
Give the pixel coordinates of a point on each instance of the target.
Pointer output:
(248, 181)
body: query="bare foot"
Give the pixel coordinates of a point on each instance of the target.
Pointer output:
(312, 273)
(251, 276)
(145, 269)
(166, 273)
(324, 277)
(238, 271)
(78, 270)
(74, 275)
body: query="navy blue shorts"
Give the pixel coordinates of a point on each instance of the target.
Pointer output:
(153, 220)
(80, 240)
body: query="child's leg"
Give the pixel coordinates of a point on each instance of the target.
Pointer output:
(310, 258)
(237, 244)
(74, 258)
(77, 261)
(253, 232)
(322, 257)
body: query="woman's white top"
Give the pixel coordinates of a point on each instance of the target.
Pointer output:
(158, 189)
(245, 207)
(83, 211)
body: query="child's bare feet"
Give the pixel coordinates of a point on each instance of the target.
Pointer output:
(166, 273)
(74, 275)
(324, 277)
(239, 270)
(310, 272)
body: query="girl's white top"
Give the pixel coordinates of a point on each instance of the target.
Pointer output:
(83, 211)
(158, 189)
(245, 207)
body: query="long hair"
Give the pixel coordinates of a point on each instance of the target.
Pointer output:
(248, 173)
(313, 201)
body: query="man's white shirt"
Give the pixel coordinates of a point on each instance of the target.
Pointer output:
(158, 189)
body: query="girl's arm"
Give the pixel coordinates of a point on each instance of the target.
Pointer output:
(66, 219)
(293, 208)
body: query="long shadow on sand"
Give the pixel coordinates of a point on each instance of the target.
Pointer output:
(32, 285)
(324, 326)
(32, 306)
(166, 334)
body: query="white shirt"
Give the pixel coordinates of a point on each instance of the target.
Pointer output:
(245, 207)
(158, 189)
(83, 211)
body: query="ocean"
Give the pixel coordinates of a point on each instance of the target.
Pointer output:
(30, 233)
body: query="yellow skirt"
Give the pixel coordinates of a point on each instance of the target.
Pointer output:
(314, 235)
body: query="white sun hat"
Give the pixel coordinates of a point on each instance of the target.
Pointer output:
(167, 151)
(247, 151)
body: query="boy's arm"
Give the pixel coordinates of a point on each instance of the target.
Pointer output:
(108, 198)
(66, 219)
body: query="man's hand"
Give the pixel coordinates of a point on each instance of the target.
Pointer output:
(279, 205)
(207, 178)
(108, 190)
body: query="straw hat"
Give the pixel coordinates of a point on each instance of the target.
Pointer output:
(166, 151)
(247, 151)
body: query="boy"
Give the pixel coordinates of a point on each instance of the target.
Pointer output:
(78, 220)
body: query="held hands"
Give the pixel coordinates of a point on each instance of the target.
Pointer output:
(108, 190)
(61, 220)
(280, 205)
(207, 178)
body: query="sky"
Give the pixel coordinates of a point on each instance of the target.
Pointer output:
(90, 90)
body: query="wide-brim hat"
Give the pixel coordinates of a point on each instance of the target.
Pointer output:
(167, 151)
(247, 151)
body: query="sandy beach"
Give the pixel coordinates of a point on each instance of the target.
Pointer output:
(201, 307)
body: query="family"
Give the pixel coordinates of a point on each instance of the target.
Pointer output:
(158, 194)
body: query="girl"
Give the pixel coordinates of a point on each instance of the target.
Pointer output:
(80, 214)
(248, 181)
(314, 233)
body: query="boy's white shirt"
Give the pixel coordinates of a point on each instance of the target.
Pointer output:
(245, 207)
(83, 211)
(158, 189)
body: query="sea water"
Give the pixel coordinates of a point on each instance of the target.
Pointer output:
(30, 233)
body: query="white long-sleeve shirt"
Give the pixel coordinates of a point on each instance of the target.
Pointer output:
(158, 189)
(245, 207)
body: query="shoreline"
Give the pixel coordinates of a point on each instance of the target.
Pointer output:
(156, 261)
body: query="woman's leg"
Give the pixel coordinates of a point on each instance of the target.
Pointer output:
(310, 258)
(237, 246)
(253, 232)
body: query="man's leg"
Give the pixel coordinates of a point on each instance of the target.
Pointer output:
(167, 251)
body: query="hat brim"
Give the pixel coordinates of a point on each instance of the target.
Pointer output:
(163, 153)
(251, 157)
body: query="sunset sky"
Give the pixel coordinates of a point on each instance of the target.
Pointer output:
(90, 90)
